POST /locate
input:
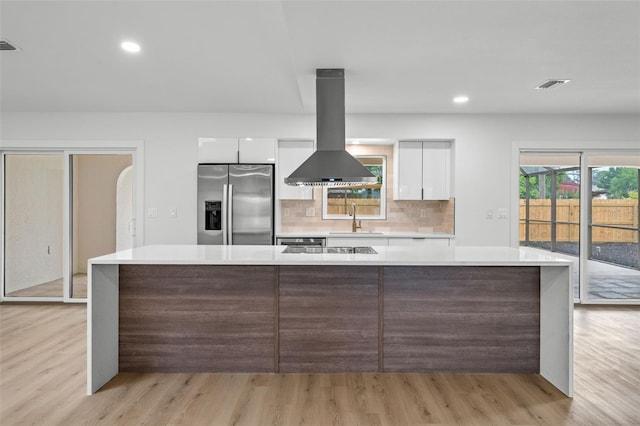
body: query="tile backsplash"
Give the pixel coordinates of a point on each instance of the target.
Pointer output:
(402, 216)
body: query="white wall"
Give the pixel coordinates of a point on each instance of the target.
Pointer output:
(94, 206)
(483, 153)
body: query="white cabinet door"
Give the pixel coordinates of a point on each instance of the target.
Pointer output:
(436, 170)
(356, 242)
(422, 171)
(291, 154)
(420, 242)
(217, 150)
(408, 169)
(257, 150)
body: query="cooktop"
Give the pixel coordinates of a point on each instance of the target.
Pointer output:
(322, 250)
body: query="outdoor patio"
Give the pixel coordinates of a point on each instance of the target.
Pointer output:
(606, 281)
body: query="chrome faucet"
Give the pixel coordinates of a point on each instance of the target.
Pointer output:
(354, 226)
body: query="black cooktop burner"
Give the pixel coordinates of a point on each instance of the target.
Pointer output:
(321, 250)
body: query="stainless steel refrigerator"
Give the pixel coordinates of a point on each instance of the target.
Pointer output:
(235, 204)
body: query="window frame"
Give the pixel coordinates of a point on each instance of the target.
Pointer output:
(383, 195)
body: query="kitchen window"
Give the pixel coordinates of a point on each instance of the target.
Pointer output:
(369, 200)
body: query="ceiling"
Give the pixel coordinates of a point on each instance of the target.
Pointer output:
(261, 56)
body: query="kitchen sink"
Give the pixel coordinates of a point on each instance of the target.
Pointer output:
(329, 250)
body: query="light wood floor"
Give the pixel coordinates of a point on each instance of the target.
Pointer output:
(54, 288)
(43, 382)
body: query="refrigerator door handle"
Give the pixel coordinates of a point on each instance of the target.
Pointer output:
(224, 214)
(230, 215)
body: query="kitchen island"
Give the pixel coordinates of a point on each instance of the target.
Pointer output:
(254, 308)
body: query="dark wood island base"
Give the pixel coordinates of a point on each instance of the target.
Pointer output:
(312, 318)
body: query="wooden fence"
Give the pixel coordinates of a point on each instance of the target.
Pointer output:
(365, 206)
(604, 212)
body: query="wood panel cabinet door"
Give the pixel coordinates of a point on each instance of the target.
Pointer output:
(328, 318)
(462, 319)
(197, 318)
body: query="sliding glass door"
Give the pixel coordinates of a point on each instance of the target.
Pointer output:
(62, 208)
(613, 266)
(550, 206)
(33, 225)
(101, 197)
(584, 207)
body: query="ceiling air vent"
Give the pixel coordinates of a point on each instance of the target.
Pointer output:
(552, 83)
(6, 45)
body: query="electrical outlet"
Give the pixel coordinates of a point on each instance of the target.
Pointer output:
(310, 211)
(489, 214)
(423, 213)
(502, 213)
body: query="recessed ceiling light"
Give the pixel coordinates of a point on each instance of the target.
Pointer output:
(130, 46)
(461, 99)
(551, 83)
(7, 45)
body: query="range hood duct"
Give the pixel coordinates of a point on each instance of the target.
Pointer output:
(331, 164)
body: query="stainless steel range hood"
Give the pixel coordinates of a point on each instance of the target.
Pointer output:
(330, 164)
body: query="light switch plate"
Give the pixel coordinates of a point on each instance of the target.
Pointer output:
(152, 212)
(502, 213)
(489, 214)
(173, 212)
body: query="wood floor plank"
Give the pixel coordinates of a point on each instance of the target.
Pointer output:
(43, 382)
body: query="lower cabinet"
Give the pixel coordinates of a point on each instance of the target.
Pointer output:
(462, 319)
(388, 241)
(420, 242)
(197, 318)
(356, 242)
(328, 318)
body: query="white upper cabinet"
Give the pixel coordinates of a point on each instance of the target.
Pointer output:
(423, 170)
(237, 150)
(436, 170)
(257, 150)
(291, 154)
(217, 150)
(408, 167)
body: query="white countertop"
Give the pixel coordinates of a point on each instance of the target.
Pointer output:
(364, 234)
(272, 255)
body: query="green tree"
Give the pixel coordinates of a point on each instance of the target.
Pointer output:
(620, 182)
(561, 177)
(533, 187)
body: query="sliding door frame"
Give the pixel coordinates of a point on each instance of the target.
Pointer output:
(586, 174)
(68, 149)
(585, 151)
